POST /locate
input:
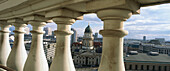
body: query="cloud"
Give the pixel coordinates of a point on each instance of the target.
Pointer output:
(92, 18)
(152, 8)
(97, 29)
(53, 26)
(154, 21)
(149, 36)
(156, 27)
(80, 31)
(144, 21)
(157, 7)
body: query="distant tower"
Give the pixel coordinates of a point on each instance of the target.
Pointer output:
(27, 30)
(144, 38)
(48, 31)
(88, 38)
(96, 35)
(53, 34)
(73, 36)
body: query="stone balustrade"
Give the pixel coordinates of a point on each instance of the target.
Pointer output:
(64, 13)
(112, 57)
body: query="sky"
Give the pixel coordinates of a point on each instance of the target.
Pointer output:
(152, 22)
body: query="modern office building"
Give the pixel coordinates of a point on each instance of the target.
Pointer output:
(73, 36)
(48, 31)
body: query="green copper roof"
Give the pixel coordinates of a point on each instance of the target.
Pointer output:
(88, 29)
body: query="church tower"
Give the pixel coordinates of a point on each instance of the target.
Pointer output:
(88, 38)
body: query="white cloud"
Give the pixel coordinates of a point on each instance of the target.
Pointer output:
(152, 19)
(91, 15)
(156, 27)
(157, 7)
(95, 22)
(145, 21)
(53, 26)
(97, 29)
(92, 18)
(151, 8)
(80, 31)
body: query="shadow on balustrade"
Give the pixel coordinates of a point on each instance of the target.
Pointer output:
(5, 68)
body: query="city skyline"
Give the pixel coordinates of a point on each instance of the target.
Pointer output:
(152, 22)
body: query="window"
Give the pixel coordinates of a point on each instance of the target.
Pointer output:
(153, 68)
(136, 67)
(165, 68)
(159, 68)
(125, 65)
(51, 58)
(141, 67)
(130, 67)
(147, 67)
(48, 46)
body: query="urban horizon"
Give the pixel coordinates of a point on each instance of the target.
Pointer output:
(153, 22)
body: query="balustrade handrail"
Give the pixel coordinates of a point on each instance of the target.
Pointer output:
(6, 68)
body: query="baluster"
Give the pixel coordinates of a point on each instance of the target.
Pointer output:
(113, 33)
(18, 55)
(36, 60)
(64, 18)
(4, 42)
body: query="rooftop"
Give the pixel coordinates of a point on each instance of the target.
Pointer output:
(88, 29)
(143, 57)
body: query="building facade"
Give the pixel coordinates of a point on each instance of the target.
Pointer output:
(147, 62)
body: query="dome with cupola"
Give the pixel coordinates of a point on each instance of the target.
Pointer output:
(87, 38)
(88, 29)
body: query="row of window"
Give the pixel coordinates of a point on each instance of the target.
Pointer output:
(84, 58)
(89, 62)
(147, 68)
(164, 51)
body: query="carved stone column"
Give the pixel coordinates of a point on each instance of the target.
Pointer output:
(18, 55)
(113, 33)
(36, 60)
(64, 19)
(63, 59)
(4, 42)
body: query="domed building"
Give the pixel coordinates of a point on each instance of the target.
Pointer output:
(88, 38)
(86, 55)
